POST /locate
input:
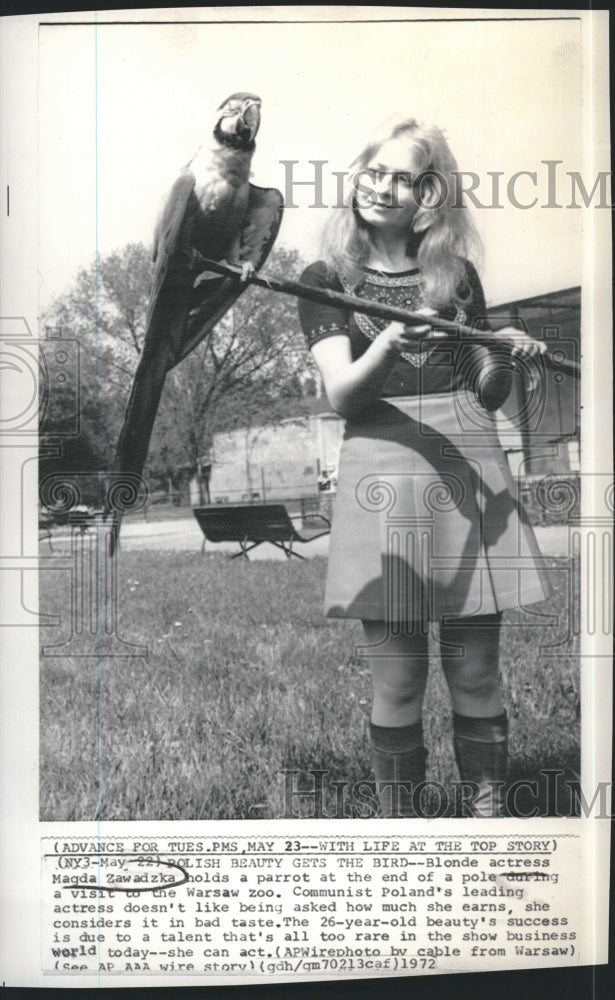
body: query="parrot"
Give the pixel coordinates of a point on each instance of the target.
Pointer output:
(213, 212)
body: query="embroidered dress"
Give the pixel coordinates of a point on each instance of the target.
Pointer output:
(427, 523)
(403, 290)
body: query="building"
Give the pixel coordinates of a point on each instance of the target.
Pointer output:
(548, 421)
(280, 461)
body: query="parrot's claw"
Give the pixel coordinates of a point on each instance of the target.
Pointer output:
(247, 270)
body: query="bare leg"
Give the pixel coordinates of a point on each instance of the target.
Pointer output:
(399, 674)
(470, 651)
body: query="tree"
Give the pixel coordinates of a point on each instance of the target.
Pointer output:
(253, 366)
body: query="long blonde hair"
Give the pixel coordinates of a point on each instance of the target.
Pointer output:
(448, 233)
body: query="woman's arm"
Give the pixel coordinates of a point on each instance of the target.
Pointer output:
(351, 385)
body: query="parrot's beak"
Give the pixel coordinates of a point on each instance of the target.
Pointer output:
(250, 118)
(240, 118)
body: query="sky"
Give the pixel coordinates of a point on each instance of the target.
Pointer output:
(123, 107)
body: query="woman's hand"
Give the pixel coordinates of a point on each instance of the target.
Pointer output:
(524, 348)
(403, 336)
(523, 345)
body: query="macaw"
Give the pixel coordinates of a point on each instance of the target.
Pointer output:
(212, 212)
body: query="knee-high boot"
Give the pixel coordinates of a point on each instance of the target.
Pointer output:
(399, 760)
(481, 752)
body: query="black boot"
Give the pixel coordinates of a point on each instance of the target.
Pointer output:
(481, 752)
(399, 760)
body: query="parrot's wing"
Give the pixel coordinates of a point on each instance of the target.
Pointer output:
(258, 234)
(261, 226)
(166, 318)
(171, 245)
(167, 312)
(169, 225)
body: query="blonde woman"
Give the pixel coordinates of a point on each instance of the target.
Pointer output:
(426, 527)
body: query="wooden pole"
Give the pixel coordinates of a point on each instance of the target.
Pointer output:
(379, 309)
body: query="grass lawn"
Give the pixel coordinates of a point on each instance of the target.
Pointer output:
(245, 678)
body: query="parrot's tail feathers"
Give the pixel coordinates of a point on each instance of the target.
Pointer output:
(114, 534)
(107, 509)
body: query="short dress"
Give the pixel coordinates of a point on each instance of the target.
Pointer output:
(427, 522)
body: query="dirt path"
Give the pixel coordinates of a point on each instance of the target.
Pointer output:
(185, 536)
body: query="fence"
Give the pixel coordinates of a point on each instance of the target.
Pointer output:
(547, 500)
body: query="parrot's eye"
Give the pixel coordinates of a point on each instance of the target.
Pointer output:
(231, 109)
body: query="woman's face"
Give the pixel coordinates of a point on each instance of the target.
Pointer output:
(385, 190)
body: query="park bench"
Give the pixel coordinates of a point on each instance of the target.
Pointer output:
(252, 524)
